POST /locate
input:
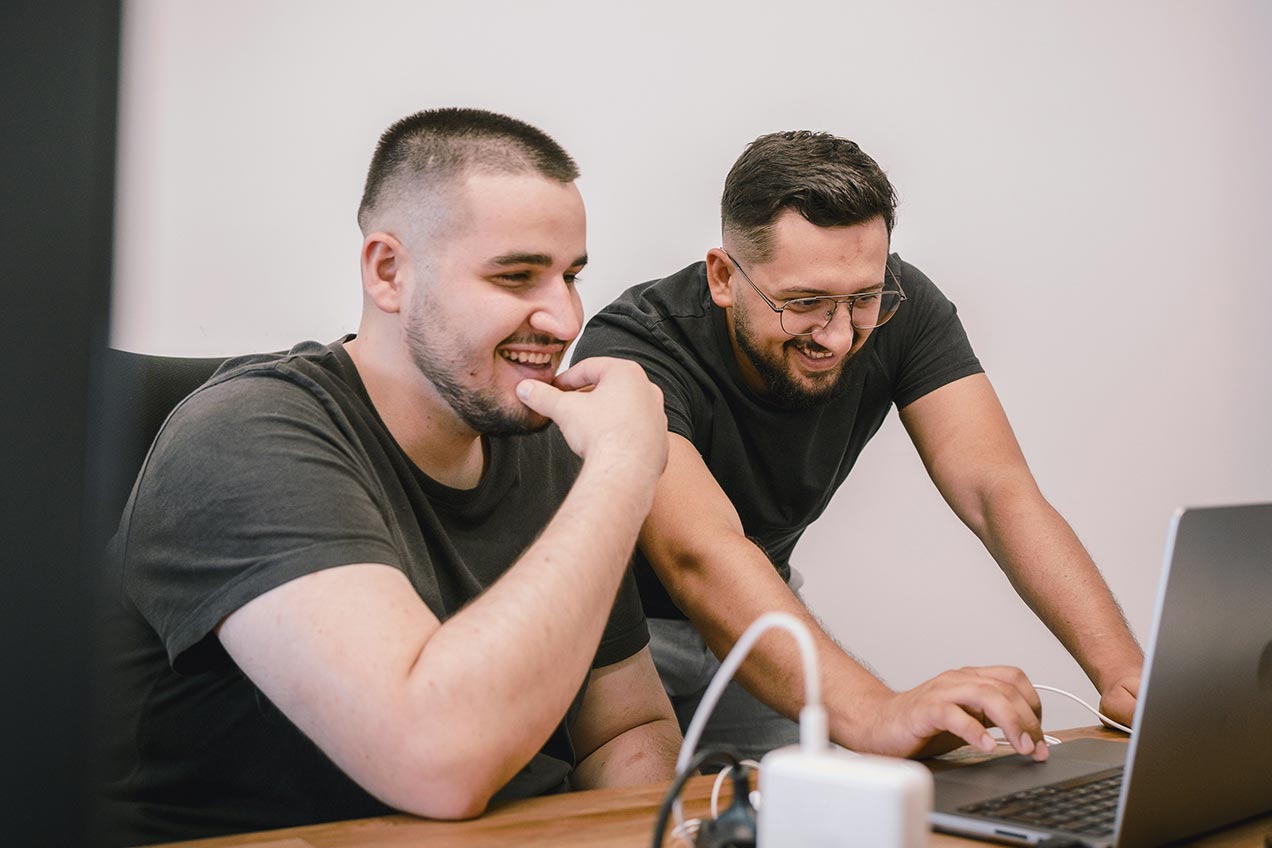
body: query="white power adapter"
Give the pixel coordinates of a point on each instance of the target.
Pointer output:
(835, 798)
(812, 795)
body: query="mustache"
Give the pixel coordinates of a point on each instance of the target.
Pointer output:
(808, 345)
(537, 339)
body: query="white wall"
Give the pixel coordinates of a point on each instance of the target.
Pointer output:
(1088, 181)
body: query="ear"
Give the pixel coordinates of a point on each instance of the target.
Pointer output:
(385, 267)
(720, 277)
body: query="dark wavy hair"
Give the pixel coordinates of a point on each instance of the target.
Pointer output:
(826, 179)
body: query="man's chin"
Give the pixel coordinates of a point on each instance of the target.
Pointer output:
(488, 416)
(794, 389)
(522, 422)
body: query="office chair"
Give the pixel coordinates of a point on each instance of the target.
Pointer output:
(136, 391)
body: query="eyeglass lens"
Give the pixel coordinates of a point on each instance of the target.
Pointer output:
(801, 317)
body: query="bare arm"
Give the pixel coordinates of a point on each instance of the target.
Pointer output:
(723, 582)
(626, 732)
(968, 447)
(433, 717)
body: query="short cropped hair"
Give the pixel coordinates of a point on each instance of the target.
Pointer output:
(826, 179)
(437, 146)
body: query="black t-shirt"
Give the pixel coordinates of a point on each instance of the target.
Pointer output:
(779, 467)
(277, 467)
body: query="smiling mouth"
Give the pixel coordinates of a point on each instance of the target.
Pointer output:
(814, 353)
(525, 357)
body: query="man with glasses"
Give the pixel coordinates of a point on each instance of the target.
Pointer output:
(779, 358)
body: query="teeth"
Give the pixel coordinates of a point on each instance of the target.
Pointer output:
(820, 355)
(526, 358)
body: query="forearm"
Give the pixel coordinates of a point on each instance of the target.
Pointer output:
(723, 606)
(723, 582)
(534, 631)
(1053, 573)
(968, 448)
(643, 754)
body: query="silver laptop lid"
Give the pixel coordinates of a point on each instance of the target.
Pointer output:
(1201, 756)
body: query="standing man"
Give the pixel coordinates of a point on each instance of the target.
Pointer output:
(373, 574)
(779, 358)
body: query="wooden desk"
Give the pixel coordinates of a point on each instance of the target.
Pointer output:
(611, 818)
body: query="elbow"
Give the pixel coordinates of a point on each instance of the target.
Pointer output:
(996, 503)
(433, 780)
(436, 794)
(450, 800)
(686, 575)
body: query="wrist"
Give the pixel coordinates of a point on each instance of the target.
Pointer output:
(618, 459)
(1117, 670)
(627, 479)
(857, 723)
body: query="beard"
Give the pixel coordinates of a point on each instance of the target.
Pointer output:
(481, 411)
(785, 389)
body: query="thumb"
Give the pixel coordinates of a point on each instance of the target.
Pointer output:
(541, 397)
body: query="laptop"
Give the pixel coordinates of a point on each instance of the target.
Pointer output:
(1201, 754)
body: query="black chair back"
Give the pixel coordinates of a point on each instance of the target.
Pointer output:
(139, 392)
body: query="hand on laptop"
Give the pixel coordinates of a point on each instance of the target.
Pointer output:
(1118, 700)
(954, 708)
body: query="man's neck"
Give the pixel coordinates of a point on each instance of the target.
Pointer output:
(424, 426)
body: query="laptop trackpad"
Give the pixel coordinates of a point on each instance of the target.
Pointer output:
(1017, 772)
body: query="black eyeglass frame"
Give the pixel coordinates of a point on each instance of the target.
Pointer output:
(834, 299)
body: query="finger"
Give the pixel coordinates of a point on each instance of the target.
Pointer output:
(1007, 709)
(1015, 678)
(540, 396)
(941, 743)
(586, 373)
(954, 719)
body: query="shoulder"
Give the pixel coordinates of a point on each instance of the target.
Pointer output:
(925, 345)
(926, 308)
(309, 377)
(647, 310)
(916, 284)
(258, 409)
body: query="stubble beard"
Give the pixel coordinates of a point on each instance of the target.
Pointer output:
(481, 411)
(785, 390)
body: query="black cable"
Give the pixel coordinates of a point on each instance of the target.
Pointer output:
(673, 791)
(736, 826)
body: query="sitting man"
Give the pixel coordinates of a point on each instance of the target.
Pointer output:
(373, 574)
(779, 358)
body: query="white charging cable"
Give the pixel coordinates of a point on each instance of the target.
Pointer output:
(719, 784)
(1101, 716)
(814, 734)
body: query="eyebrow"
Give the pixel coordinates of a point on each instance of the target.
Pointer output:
(797, 293)
(542, 260)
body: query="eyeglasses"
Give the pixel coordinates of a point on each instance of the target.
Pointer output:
(804, 316)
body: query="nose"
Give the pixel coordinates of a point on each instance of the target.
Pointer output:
(559, 312)
(839, 334)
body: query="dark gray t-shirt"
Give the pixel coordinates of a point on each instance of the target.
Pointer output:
(278, 467)
(779, 467)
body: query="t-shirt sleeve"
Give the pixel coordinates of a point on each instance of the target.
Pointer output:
(627, 631)
(248, 486)
(925, 346)
(619, 333)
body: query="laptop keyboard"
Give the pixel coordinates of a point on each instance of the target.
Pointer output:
(1086, 805)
